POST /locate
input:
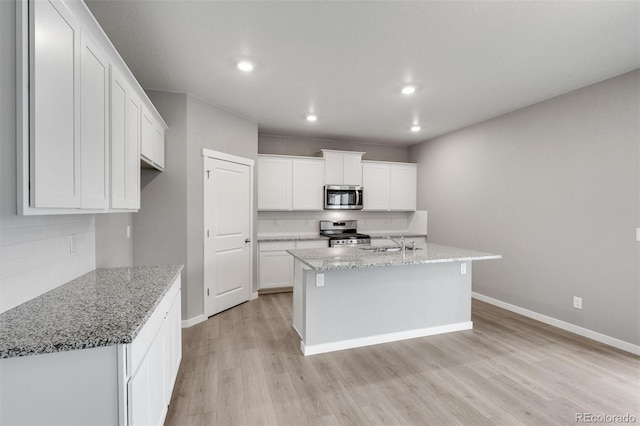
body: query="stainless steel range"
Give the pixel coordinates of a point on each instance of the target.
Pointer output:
(343, 233)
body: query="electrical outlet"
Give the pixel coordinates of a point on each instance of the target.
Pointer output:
(319, 280)
(463, 268)
(577, 302)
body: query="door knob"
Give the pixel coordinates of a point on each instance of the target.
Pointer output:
(247, 240)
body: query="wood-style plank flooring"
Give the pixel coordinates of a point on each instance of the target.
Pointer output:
(244, 367)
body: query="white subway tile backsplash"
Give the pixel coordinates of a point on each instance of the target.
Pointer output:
(35, 255)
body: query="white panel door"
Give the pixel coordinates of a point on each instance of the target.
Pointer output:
(352, 173)
(227, 248)
(403, 187)
(307, 184)
(134, 115)
(376, 186)
(54, 97)
(274, 183)
(119, 170)
(94, 114)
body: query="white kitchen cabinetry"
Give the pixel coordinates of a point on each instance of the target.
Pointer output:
(67, 110)
(389, 186)
(124, 384)
(155, 357)
(125, 144)
(289, 183)
(308, 184)
(342, 167)
(275, 268)
(152, 147)
(94, 119)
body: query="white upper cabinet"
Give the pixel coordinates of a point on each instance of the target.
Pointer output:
(308, 184)
(125, 144)
(290, 183)
(79, 127)
(274, 183)
(377, 186)
(152, 147)
(342, 167)
(404, 182)
(53, 108)
(389, 186)
(94, 118)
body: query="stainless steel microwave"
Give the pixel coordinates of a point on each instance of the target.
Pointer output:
(342, 197)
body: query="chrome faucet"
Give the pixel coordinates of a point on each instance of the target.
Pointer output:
(401, 243)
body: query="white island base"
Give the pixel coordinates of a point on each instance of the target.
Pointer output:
(367, 306)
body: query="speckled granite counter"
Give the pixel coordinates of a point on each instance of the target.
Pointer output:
(352, 257)
(274, 238)
(102, 308)
(382, 235)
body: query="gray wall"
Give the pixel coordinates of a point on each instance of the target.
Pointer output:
(169, 226)
(553, 188)
(286, 145)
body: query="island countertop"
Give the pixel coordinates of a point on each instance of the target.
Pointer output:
(328, 259)
(101, 308)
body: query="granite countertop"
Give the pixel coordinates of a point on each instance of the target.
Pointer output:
(331, 259)
(318, 237)
(274, 238)
(101, 308)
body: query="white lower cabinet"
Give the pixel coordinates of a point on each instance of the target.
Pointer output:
(275, 268)
(125, 384)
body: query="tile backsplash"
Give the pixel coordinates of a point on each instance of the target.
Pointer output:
(283, 223)
(40, 253)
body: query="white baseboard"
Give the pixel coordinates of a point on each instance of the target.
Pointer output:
(193, 321)
(383, 338)
(584, 332)
(253, 296)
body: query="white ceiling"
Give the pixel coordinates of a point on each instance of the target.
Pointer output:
(347, 60)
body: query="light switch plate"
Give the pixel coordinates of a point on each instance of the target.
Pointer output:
(128, 231)
(638, 234)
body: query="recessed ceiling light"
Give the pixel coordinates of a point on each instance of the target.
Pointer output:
(415, 128)
(408, 90)
(245, 66)
(312, 117)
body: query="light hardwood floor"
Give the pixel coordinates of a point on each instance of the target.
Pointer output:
(244, 366)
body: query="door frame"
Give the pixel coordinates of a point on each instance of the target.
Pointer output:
(217, 155)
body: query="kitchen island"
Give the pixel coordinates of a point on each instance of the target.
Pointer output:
(351, 297)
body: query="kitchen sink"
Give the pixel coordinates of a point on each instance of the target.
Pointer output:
(388, 248)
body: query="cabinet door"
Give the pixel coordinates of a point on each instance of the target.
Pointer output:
(172, 348)
(312, 244)
(158, 146)
(94, 114)
(133, 133)
(276, 269)
(119, 135)
(333, 169)
(376, 186)
(307, 184)
(274, 183)
(352, 169)
(139, 395)
(148, 134)
(54, 98)
(403, 187)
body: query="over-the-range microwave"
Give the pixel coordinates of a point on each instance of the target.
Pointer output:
(342, 197)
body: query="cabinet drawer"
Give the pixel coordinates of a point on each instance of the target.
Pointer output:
(144, 339)
(277, 246)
